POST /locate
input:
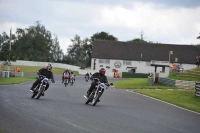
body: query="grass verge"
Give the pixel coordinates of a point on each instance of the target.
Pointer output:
(15, 80)
(181, 98)
(135, 83)
(34, 69)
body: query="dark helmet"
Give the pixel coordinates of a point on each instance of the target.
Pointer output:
(49, 67)
(102, 71)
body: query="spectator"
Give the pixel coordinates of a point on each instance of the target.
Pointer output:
(178, 68)
(174, 66)
(197, 61)
(18, 69)
(15, 69)
(2, 69)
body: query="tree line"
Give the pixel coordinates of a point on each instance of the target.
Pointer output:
(36, 43)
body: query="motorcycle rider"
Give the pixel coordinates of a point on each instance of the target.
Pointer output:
(66, 72)
(43, 72)
(102, 78)
(72, 75)
(87, 75)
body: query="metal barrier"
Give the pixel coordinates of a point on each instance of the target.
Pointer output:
(197, 88)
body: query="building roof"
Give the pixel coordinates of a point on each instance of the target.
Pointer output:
(104, 49)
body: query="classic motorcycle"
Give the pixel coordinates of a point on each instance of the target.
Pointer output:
(40, 88)
(97, 92)
(72, 79)
(86, 78)
(66, 79)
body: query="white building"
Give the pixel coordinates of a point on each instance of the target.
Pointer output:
(141, 57)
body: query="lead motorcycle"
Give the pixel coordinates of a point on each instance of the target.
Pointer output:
(66, 79)
(40, 88)
(97, 92)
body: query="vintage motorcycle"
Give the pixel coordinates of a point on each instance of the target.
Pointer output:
(66, 79)
(86, 78)
(72, 79)
(97, 92)
(40, 88)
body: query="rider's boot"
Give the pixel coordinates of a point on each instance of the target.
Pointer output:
(31, 90)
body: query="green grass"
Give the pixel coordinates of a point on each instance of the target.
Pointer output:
(33, 69)
(135, 83)
(15, 80)
(184, 98)
(179, 77)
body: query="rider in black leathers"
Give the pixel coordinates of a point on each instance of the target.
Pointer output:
(101, 76)
(87, 75)
(43, 72)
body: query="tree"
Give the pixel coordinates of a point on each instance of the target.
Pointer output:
(55, 49)
(138, 40)
(103, 36)
(98, 36)
(36, 43)
(198, 37)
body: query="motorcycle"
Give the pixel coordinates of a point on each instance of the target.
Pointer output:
(72, 79)
(66, 79)
(86, 78)
(97, 92)
(40, 88)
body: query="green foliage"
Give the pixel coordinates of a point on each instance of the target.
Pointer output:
(103, 36)
(15, 80)
(34, 43)
(198, 37)
(138, 40)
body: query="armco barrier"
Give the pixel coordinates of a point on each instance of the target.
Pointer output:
(197, 88)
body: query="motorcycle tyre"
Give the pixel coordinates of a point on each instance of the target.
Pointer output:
(96, 100)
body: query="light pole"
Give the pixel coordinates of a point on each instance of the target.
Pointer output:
(170, 52)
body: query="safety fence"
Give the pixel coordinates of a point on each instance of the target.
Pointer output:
(172, 82)
(197, 88)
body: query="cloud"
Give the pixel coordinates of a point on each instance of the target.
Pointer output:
(167, 25)
(159, 20)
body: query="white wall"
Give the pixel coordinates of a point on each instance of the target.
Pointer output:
(142, 67)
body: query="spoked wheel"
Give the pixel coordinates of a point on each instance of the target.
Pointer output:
(34, 94)
(66, 80)
(96, 99)
(39, 93)
(72, 82)
(89, 98)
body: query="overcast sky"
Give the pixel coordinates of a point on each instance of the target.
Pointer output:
(164, 21)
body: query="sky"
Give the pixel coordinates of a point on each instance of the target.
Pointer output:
(163, 21)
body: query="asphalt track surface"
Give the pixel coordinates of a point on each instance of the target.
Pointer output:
(63, 110)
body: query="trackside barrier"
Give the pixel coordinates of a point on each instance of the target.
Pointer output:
(197, 89)
(177, 83)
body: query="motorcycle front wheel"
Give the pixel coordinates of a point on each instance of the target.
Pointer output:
(96, 99)
(89, 98)
(40, 92)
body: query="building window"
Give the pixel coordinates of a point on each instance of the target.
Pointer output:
(101, 61)
(125, 62)
(107, 61)
(104, 61)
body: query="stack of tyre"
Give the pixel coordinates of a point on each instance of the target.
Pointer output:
(197, 88)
